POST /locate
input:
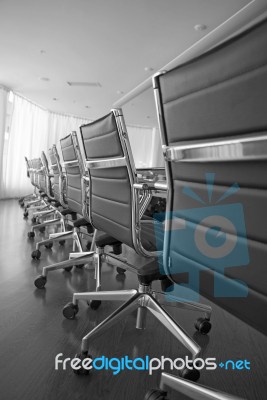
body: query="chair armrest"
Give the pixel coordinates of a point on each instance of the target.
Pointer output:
(159, 185)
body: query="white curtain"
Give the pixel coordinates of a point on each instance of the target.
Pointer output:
(27, 136)
(33, 129)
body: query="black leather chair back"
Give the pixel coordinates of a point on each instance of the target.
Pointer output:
(213, 122)
(48, 178)
(112, 174)
(74, 175)
(36, 165)
(58, 186)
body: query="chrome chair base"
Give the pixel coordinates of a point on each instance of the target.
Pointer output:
(75, 259)
(57, 219)
(142, 300)
(28, 197)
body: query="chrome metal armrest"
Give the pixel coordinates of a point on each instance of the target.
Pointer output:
(159, 185)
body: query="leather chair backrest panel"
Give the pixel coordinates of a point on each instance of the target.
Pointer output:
(74, 189)
(48, 184)
(220, 95)
(111, 194)
(37, 164)
(104, 145)
(250, 199)
(31, 171)
(245, 173)
(67, 148)
(56, 172)
(27, 166)
(250, 309)
(74, 177)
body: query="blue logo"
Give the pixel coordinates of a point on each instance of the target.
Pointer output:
(206, 238)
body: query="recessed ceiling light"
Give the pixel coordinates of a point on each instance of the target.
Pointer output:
(148, 116)
(91, 84)
(55, 99)
(43, 78)
(87, 106)
(42, 51)
(149, 69)
(200, 27)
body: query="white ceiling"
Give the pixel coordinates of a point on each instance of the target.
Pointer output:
(105, 41)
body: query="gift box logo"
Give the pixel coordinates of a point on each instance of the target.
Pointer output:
(210, 237)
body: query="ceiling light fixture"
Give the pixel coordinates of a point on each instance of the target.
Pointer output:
(200, 27)
(89, 84)
(44, 79)
(55, 99)
(87, 106)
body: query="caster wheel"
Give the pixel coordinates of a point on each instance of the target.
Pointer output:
(22, 204)
(49, 245)
(70, 310)
(120, 271)
(31, 235)
(203, 326)
(94, 304)
(42, 229)
(190, 374)
(36, 254)
(80, 266)
(34, 220)
(156, 394)
(82, 371)
(26, 214)
(40, 282)
(68, 269)
(61, 242)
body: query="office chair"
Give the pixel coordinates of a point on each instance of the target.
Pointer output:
(77, 187)
(33, 195)
(37, 180)
(114, 208)
(46, 188)
(59, 204)
(212, 118)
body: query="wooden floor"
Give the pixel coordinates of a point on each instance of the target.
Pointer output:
(33, 331)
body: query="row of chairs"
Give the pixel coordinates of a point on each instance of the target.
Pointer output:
(98, 189)
(102, 193)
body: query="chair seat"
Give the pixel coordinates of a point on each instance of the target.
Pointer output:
(103, 239)
(83, 222)
(68, 211)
